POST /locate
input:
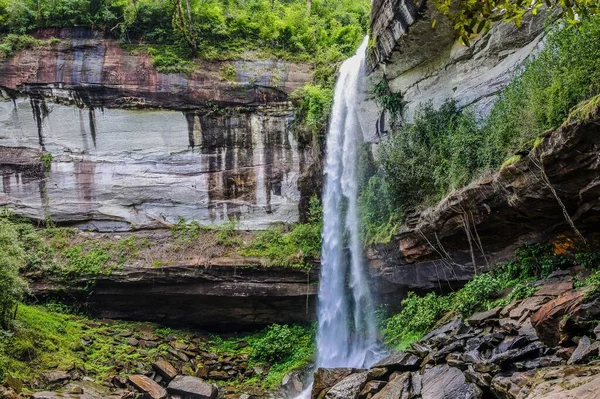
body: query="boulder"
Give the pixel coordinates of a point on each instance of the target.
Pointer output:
(481, 317)
(534, 349)
(348, 388)
(528, 306)
(325, 378)
(148, 386)
(165, 369)
(188, 387)
(401, 361)
(554, 289)
(55, 377)
(397, 388)
(547, 319)
(292, 383)
(445, 382)
(585, 349)
(371, 388)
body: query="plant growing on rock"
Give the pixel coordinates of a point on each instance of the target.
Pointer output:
(12, 286)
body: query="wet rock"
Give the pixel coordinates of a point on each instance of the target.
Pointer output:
(398, 387)
(292, 383)
(585, 349)
(527, 330)
(325, 378)
(483, 380)
(401, 361)
(348, 388)
(165, 369)
(378, 373)
(202, 371)
(371, 388)
(546, 361)
(189, 387)
(514, 342)
(55, 377)
(451, 327)
(445, 382)
(148, 386)
(512, 355)
(455, 360)
(451, 347)
(147, 344)
(510, 385)
(481, 317)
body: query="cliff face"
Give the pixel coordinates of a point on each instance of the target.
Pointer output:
(210, 148)
(226, 295)
(552, 193)
(427, 64)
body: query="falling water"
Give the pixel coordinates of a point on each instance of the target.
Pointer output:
(346, 335)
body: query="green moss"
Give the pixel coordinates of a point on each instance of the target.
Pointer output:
(12, 44)
(228, 73)
(511, 161)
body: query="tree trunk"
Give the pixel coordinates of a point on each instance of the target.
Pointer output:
(308, 5)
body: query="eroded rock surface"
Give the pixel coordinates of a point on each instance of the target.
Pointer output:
(211, 149)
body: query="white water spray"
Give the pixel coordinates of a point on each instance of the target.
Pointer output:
(347, 334)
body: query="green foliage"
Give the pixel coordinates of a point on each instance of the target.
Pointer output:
(418, 315)
(12, 44)
(473, 17)
(476, 294)
(565, 73)
(278, 343)
(312, 108)
(166, 60)
(12, 258)
(185, 233)
(227, 234)
(446, 148)
(46, 159)
(229, 73)
(423, 161)
(589, 260)
(391, 102)
(209, 28)
(296, 248)
(287, 348)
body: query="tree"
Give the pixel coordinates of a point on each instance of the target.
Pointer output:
(476, 16)
(12, 258)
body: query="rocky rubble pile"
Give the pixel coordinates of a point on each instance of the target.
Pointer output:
(545, 346)
(187, 369)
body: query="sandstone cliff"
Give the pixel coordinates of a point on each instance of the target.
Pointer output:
(210, 148)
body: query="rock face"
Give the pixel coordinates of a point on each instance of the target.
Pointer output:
(427, 64)
(217, 297)
(192, 388)
(211, 149)
(476, 226)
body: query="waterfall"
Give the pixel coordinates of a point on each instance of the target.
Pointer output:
(346, 334)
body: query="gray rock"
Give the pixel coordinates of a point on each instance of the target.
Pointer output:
(534, 349)
(371, 388)
(147, 386)
(445, 382)
(585, 349)
(397, 388)
(165, 369)
(55, 377)
(479, 318)
(189, 387)
(401, 361)
(348, 388)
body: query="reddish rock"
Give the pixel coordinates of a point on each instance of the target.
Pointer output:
(148, 386)
(165, 369)
(547, 320)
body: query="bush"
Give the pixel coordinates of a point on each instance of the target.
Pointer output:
(416, 318)
(312, 108)
(423, 161)
(12, 258)
(298, 247)
(278, 343)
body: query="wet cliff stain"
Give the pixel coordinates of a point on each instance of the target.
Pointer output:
(40, 113)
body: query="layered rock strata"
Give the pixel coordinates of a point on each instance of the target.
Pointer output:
(550, 193)
(220, 296)
(212, 149)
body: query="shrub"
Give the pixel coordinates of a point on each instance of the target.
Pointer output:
(312, 108)
(12, 258)
(417, 316)
(423, 161)
(476, 294)
(278, 344)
